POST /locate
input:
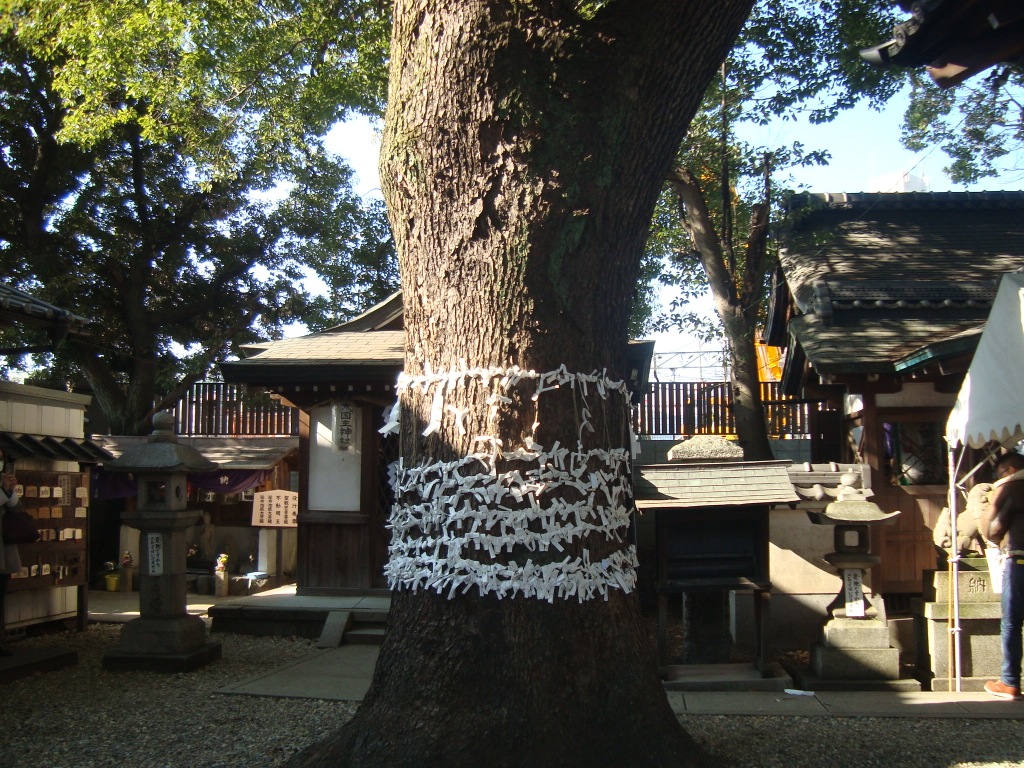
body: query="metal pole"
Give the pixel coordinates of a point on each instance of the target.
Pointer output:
(954, 566)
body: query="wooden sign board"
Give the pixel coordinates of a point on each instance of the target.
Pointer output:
(275, 509)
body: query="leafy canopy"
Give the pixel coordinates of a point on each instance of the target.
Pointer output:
(179, 194)
(793, 59)
(978, 124)
(228, 79)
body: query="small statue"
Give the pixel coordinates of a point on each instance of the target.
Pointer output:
(206, 536)
(969, 537)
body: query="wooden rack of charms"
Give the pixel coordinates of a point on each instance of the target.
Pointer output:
(59, 501)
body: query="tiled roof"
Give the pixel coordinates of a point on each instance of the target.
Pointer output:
(329, 356)
(880, 278)
(710, 485)
(806, 486)
(17, 445)
(356, 348)
(932, 239)
(361, 351)
(20, 307)
(818, 485)
(876, 343)
(387, 315)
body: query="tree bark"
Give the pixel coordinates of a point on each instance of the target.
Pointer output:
(524, 148)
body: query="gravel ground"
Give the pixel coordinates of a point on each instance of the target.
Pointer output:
(85, 717)
(811, 742)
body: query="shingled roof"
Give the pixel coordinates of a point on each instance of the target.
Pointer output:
(881, 283)
(734, 483)
(369, 349)
(322, 358)
(226, 452)
(695, 485)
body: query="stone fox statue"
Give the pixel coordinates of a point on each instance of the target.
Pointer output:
(968, 534)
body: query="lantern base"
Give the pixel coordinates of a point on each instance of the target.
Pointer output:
(163, 662)
(174, 644)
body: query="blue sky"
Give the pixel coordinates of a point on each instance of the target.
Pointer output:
(864, 145)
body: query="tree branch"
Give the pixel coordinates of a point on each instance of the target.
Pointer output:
(696, 219)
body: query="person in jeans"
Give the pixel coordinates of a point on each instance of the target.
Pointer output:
(1007, 530)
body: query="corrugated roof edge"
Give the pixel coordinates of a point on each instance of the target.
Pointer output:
(18, 301)
(838, 201)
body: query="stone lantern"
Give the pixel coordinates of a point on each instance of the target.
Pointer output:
(164, 637)
(855, 643)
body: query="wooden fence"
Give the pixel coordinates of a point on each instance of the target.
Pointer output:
(668, 409)
(676, 408)
(213, 408)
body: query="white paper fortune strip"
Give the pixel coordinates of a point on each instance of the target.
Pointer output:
(449, 515)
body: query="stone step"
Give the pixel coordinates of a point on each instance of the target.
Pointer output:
(32, 661)
(334, 629)
(370, 617)
(854, 663)
(364, 635)
(282, 620)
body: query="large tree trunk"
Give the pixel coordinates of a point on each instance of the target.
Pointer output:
(747, 406)
(524, 149)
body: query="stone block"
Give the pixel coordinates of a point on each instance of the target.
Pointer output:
(941, 611)
(856, 633)
(147, 636)
(334, 629)
(981, 652)
(974, 585)
(855, 663)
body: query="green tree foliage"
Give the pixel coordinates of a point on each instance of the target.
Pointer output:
(979, 124)
(230, 80)
(794, 58)
(178, 251)
(366, 277)
(712, 224)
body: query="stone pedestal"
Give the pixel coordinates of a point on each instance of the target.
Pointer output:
(855, 649)
(163, 645)
(981, 652)
(221, 584)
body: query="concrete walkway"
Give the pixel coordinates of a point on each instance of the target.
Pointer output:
(120, 607)
(344, 674)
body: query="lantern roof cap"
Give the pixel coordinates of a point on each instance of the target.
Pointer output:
(161, 452)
